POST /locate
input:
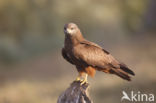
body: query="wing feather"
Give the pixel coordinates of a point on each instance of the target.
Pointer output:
(66, 56)
(93, 55)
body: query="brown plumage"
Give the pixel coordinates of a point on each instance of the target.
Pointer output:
(89, 57)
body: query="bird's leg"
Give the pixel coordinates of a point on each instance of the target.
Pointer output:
(78, 78)
(85, 79)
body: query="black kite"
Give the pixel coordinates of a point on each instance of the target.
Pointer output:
(89, 57)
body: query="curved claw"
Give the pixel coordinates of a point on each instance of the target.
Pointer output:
(78, 79)
(85, 80)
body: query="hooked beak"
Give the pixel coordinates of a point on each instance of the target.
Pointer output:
(67, 31)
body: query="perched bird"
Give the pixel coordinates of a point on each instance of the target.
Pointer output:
(89, 57)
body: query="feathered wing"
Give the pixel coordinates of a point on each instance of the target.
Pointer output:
(66, 56)
(95, 56)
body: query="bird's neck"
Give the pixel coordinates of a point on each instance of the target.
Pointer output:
(74, 40)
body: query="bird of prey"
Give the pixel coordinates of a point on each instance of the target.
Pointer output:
(89, 57)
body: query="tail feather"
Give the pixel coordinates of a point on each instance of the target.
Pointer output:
(121, 74)
(126, 69)
(120, 70)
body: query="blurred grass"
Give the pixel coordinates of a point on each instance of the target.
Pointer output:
(31, 37)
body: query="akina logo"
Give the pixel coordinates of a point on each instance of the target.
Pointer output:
(137, 96)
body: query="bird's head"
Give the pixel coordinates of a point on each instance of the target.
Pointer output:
(71, 29)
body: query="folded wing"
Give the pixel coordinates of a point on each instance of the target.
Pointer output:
(93, 55)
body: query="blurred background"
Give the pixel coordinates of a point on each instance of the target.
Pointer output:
(32, 69)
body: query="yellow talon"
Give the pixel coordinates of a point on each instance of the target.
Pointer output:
(85, 80)
(78, 79)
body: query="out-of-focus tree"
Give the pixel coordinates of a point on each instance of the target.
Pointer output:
(133, 14)
(150, 17)
(31, 27)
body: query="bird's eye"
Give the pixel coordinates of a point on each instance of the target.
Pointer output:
(72, 28)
